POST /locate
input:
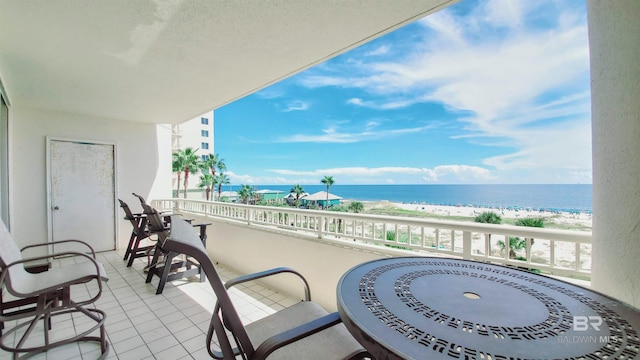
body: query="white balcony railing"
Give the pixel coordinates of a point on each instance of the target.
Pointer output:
(559, 252)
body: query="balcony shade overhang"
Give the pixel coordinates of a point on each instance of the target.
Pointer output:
(169, 61)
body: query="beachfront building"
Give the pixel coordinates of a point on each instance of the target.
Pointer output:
(228, 196)
(290, 198)
(271, 196)
(319, 199)
(196, 133)
(100, 80)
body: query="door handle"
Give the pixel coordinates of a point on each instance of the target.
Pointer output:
(56, 208)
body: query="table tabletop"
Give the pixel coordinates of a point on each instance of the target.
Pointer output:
(439, 308)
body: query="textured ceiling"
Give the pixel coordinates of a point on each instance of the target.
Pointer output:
(169, 61)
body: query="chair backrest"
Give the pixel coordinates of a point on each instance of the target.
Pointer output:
(185, 240)
(138, 227)
(153, 216)
(142, 200)
(9, 253)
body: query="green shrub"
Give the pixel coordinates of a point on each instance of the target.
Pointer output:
(391, 235)
(356, 206)
(488, 217)
(531, 222)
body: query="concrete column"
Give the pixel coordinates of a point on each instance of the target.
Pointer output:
(614, 39)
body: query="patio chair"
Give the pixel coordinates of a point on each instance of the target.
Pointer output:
(166, 215)
(139, 232)
(51, 290)
(142, 200)
(170, 265)
(302, 331)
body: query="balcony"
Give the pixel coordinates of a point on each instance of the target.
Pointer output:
(321, 244)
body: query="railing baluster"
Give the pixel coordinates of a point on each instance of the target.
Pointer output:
(466, 245)
(487, 244)
(507, 247)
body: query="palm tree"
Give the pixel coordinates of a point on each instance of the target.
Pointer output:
(206, 182)
(177, 165)
(189, 161)
(213, 162)
(221, 179)
(489, 217)
(518, 244)
(246, 192)
(298, 190)
(328, 181)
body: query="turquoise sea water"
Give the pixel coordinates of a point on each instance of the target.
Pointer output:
(572, 198)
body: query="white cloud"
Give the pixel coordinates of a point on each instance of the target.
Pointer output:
(380, 50)
(296, 105)
(393, 174)
(383, 105)
(333, 135)
(255, 180)
(563, 148)
(272, 92)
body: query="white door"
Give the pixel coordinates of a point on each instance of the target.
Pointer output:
(82, 193)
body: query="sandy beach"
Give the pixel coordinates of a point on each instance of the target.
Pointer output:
(572, 219)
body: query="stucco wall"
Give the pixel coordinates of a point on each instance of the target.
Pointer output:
(615, 100)
(143, 164)
(249, 249)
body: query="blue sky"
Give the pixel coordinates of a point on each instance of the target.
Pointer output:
(482, 92)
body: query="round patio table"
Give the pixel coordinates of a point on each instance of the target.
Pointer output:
(439, 308)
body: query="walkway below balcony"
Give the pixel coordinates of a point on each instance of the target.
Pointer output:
(172, 325)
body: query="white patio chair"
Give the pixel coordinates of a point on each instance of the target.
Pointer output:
(52, 291)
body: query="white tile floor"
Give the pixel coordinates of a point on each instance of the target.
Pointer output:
(143, 325)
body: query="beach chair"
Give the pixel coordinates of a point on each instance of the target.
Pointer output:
(52, 291)
(301, 331)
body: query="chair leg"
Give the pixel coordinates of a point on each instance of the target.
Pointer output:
(134, 251)
(168, 259)
(154, 263)
(131, 240)
(24, 345)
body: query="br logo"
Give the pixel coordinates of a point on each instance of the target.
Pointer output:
(582, 323)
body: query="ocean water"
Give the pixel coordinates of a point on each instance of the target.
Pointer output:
(572, 198)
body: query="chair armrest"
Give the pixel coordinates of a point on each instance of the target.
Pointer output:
(287, 337)
(262, 274)
(135, 216)
(91, 251)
